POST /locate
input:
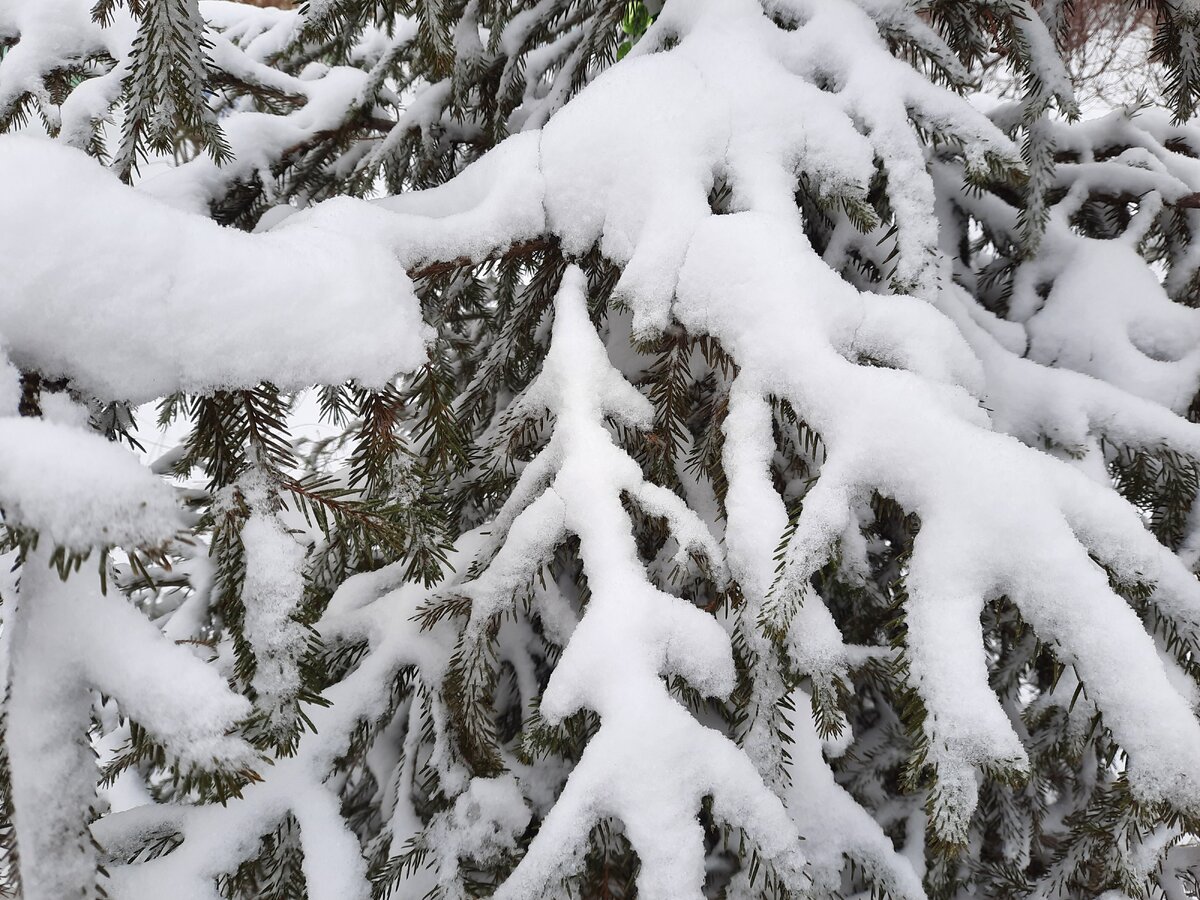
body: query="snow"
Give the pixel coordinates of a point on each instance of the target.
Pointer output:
(160, 316)
(651, 762)
(79, 490)
(493, 203)
(922, 397)
(272, 593)
(992, 513)
(67, 639)
(53, 33)
(10, 388)
(997, 518)
(483, 826)
(832, 822)
(257, 139)
(217, 839)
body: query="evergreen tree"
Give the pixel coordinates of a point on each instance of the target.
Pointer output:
(748, 469)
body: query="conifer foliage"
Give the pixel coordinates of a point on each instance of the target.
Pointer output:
(746, 468)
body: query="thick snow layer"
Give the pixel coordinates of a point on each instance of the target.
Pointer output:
(1094, 306)
(831, 821)
(998, 518)
(161, 300)
(66, 641)
(272, 594)
(1107, 315)
(78, 490)
(923, 398)
(651, 762)
(493, 203)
